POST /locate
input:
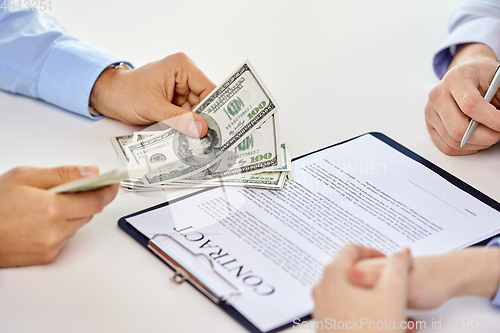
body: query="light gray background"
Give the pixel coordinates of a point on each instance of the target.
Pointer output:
(337, 68)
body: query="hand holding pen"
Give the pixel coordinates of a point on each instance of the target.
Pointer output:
(490, 93)
(458, 98)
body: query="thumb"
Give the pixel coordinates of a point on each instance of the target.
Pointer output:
(362, 278)
(396, 272)
(46, 178)
(183, 120)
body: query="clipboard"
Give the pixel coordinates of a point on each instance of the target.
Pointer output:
(181, 274)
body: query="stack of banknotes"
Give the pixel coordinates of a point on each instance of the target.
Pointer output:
(241, 148)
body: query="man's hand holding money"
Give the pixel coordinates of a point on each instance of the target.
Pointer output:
(161, 91)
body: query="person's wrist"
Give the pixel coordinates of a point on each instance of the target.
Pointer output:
(101, 94)
(472, 52)
(478, 272)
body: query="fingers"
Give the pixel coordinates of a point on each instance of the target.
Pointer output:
(473, 104)
(396, 272)
(190, 86)
(450, 124)
(340, 267)
(446, 117)
(457, 99)
(194, 99)
(444, 147)
(366, 272)
(361, 278)
(46, 178)
(181, 119)
(352, 253)
(161, 91)
(191, 78)
(191, 99)
(71, 226)
(80, 222)
(442, 108)
(54, 241)
(78, 206)
(442, 139)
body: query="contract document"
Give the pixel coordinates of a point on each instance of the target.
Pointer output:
(273, 245)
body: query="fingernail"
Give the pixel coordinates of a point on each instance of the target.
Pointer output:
(88, 171)
(195, 128)
(405, 250)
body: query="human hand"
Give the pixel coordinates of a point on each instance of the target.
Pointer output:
(430, 280)
(36, 223)
(436, 279)
(162, 91)
(459, 97)
(337, 298)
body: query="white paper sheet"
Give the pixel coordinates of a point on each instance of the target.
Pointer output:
(275, 244)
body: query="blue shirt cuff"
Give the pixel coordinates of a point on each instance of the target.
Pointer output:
(484, 31)
(496, 300)
(69, 73)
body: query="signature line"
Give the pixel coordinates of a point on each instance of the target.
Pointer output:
(423, 189)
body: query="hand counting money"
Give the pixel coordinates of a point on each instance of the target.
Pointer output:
(233, 111)
(241, 148)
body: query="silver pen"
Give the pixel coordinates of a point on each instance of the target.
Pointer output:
(492, 89)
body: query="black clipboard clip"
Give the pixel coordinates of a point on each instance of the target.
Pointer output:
(182, 274)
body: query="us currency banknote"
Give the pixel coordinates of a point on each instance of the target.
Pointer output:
(262, 144)
(138, 136)
(257, 180)
(273, 178)
(260, 151)
(233, 111)
(119, 143)
(270, 180)
(286, 158)
(243, 172)
(254, 145)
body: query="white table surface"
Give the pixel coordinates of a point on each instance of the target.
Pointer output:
(337, 68)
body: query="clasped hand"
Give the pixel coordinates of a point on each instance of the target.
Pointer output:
(363, 283)
(343, 296)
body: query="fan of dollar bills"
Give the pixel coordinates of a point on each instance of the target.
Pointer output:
(241, 148)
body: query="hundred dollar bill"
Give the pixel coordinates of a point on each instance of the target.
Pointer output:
(258, 152)
(269, 180)
(286, 166)
(119, 143)
(233, 111)
(286, 158)
(248, 179)
(261, 145)
(258, 180)
(138, 136)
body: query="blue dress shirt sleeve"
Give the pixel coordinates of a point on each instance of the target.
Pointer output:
(474, 21)
(496, 300)
(40, 59)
